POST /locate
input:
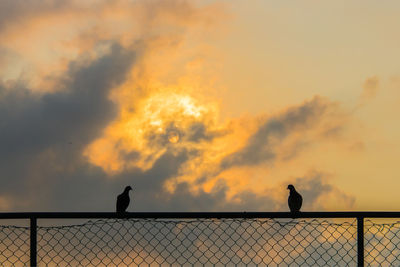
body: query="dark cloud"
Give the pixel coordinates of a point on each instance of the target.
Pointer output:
(199, 131)
(196, 132)
(41, 135)
(77, 113)
(262, 144)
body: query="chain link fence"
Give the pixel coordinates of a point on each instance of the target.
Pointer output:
(382, 243)
(14, 245)
(198, 242)
(203, 242)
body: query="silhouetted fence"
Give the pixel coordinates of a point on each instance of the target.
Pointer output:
(210, 239)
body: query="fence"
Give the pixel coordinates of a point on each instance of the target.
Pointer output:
(210, 239)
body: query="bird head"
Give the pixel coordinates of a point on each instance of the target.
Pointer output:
(290, 187)
(128, 188)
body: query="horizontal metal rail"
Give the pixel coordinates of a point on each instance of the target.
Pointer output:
(191, 215)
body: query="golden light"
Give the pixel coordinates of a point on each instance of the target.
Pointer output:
(173, 137)
(161, 107)
(159, 116)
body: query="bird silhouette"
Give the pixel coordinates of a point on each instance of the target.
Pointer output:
(295, 200)
(123, 200)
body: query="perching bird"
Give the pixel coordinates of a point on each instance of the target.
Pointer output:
(123, 200)
(295, 200)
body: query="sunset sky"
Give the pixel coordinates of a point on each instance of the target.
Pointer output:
(199, 105)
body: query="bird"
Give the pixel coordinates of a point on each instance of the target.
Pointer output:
(123, 200)
(295, 200)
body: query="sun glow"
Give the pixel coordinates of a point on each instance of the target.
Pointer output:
(160, 120)
(161, 108)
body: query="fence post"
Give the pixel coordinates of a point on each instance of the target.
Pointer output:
(360, 241)
(33, 239)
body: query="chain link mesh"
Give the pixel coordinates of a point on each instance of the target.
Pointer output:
(143, 242)
(14, 245)
(382, 243)
(205, 242)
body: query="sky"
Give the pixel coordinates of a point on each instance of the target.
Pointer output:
(199, 105)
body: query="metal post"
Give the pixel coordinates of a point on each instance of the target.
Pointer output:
(360, 241)
(33, 242)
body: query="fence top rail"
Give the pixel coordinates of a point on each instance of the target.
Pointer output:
(202, 215)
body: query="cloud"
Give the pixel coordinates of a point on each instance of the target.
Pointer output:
(72, 114)
(36, 130)
(261, 147)
(44, 133)
(12, 12)
(319, 194)
(110, 118)
(61, 124)
(45, 36)
(370, 88)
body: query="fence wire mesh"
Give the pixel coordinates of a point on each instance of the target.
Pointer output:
(382, 243)
(203, 242)
(14, 245)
